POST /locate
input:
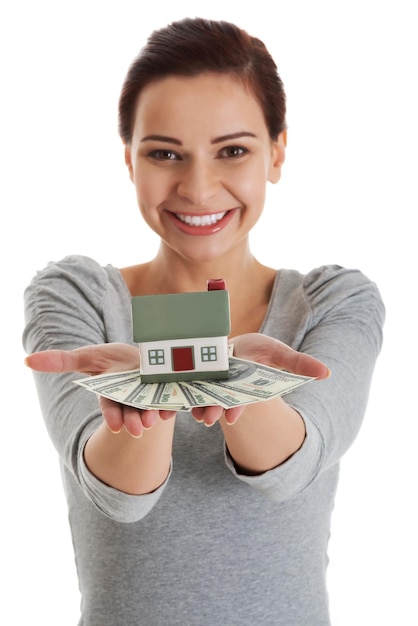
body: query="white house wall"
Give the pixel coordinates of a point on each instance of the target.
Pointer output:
(221, 344)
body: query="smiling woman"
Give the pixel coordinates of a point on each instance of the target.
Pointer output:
(200, 156)
(173, 523)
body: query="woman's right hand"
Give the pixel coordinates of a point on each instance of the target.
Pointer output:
(99, 359)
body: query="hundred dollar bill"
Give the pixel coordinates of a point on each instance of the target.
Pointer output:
(195, 397)
(247, 382)
(127, 388)
(122, 387)
(252, 382)
(114, 387)
(169, 396)
(104, 381)
(216, 394)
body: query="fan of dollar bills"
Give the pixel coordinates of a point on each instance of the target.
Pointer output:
(247, 382)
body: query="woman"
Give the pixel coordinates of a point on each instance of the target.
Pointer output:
(173, 523)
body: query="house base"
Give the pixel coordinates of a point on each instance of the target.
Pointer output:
(184, 376)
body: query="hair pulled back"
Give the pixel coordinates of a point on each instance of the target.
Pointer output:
(194, 46)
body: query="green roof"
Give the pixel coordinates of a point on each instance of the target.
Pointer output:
(181, 315)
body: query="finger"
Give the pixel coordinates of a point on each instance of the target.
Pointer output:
(165, 414)
(94, 359)
(307, 365)
(275, 353)
(284, 357)
(48, 361)
(112, 414)
(232, 414)
(149, 418)
(107, 357)
(132, 421)
(197, 413)
(208, 414)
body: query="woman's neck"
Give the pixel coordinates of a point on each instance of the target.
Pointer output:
(248, 281)
(169, 272)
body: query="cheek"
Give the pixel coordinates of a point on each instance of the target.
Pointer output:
(149, 192)
(250, 184)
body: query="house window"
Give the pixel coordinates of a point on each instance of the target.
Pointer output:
(208, 353)
(156, 357)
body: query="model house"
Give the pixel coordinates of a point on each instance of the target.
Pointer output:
(183, 336)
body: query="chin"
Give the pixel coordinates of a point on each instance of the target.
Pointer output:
(199, 253)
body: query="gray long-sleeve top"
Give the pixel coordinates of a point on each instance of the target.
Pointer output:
(210, 547)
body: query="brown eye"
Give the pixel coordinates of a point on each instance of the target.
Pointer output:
(233, 152)
(163, 155)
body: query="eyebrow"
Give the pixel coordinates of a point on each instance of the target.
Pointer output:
(177, 142)
(242, 133)
(162, 138)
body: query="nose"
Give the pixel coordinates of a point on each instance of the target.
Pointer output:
(198, 182)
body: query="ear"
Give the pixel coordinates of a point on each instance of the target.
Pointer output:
(278, 150)
(128, 161)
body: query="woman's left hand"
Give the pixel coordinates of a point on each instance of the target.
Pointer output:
(269, 351)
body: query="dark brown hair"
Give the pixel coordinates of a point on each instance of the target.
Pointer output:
(193, 46)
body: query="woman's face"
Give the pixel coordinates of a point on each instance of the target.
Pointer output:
(200, 159)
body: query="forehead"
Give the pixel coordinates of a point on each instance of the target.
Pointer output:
(219, 99)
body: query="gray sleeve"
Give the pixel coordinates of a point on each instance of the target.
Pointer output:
(67, 305)
(340, 324)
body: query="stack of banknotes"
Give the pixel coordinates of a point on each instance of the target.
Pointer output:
(247, 382)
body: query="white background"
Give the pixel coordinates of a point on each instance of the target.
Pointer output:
(347, 196)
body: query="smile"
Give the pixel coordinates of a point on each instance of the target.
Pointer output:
(201, 220)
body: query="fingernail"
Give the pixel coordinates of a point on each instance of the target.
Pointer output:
(114, 432)
(132, 435)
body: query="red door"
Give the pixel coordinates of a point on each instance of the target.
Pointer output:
(182, 359)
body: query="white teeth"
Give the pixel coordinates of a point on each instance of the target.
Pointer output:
(200, 220)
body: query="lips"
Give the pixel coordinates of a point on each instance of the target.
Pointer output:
(201, 220)
(208, 224)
